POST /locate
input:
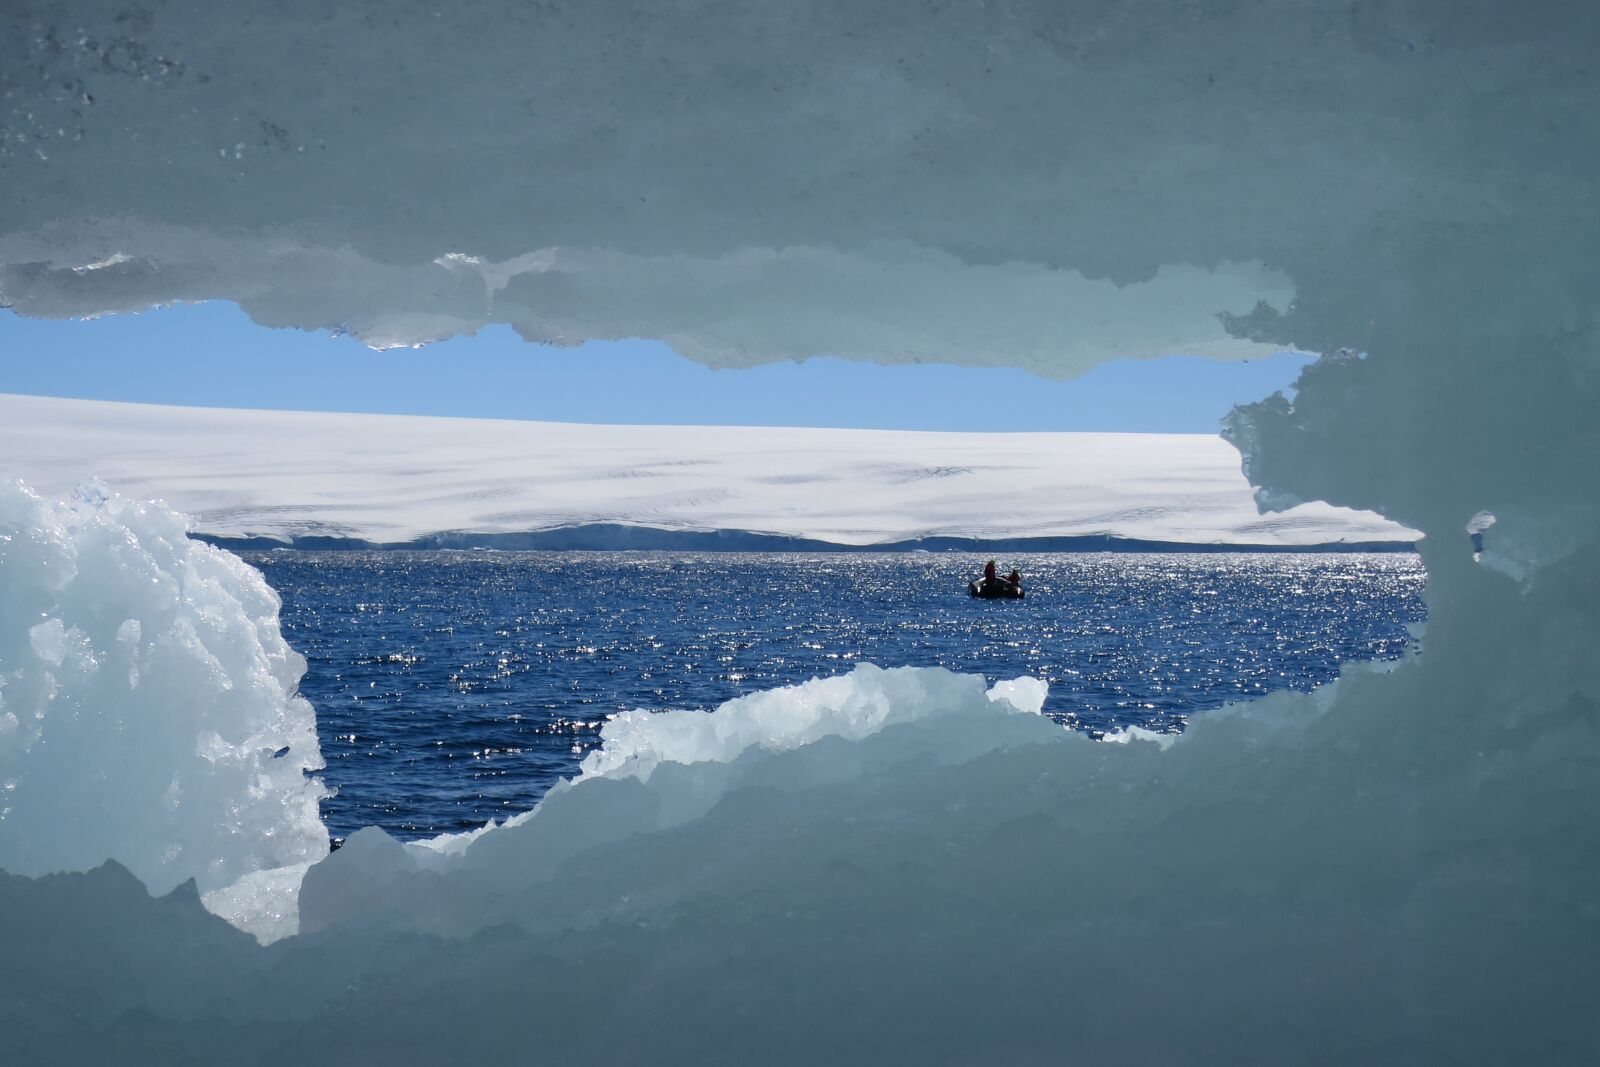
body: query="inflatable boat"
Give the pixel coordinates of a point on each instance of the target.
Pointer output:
(995, 589)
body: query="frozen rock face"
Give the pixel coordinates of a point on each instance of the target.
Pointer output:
(148, 711)
(1400, 868)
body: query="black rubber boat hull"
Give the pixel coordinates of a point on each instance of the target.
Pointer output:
(999, 589)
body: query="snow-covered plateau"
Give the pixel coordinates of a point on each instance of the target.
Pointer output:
(1401, 867)
(390, 479)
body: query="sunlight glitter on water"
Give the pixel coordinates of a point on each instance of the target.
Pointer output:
(421, 662)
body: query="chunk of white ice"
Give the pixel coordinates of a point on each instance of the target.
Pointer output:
(141, 713)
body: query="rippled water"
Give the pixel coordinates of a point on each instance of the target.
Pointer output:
(455, 687)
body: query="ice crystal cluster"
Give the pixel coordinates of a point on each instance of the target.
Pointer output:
(148, 711)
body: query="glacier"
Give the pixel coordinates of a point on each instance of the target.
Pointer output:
(279, 476)
(1400, 867)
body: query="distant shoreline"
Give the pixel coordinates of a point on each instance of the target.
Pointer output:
(620, 537)
(315, 480)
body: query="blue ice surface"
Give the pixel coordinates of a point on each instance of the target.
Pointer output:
(456, 687)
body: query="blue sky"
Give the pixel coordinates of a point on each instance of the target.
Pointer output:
(212, 355)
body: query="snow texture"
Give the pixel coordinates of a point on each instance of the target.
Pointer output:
(397, 479)
(1399, 868)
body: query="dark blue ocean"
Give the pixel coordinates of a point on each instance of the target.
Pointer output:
(456, 687)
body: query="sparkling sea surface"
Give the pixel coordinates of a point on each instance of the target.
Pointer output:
(456, 687)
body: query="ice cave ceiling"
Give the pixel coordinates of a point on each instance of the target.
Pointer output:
(1040, 183)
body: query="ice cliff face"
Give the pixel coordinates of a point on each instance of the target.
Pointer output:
(1400, 868)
